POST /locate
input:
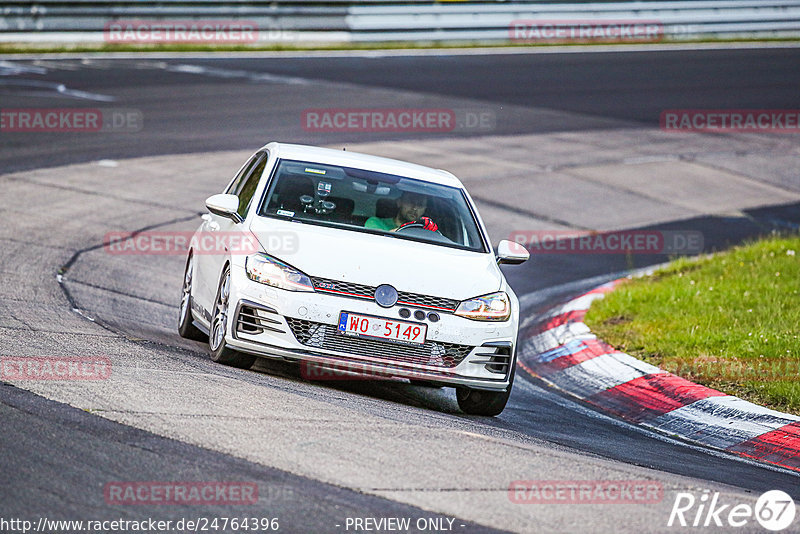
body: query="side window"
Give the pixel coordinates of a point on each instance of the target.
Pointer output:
(236, 184)
(250, 184)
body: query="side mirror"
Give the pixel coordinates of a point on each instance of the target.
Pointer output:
(224, 206)
(511, 253)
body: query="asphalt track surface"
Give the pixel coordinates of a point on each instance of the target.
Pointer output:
(184, 113)
(51, 449)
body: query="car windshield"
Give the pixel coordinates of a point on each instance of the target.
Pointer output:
(368, 201)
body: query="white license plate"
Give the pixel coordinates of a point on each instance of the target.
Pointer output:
(353, 324)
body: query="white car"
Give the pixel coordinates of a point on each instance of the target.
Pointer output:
(360, 264)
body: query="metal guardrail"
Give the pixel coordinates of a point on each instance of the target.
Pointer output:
(407, 20)
(492, 22)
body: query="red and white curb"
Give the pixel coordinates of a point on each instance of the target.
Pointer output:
(561, 350)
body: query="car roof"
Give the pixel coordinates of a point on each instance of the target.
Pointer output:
(363, 161)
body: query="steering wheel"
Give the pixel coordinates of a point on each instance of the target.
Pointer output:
(426, 223)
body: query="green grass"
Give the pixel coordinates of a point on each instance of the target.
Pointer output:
(730, 321)
(50, 48)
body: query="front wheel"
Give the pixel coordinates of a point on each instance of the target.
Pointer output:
(220, 352)
(481, 402)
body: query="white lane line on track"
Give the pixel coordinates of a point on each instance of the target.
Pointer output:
(57, 65)
(42, 88)
(236, 74)
(7, 68)
(50, 89)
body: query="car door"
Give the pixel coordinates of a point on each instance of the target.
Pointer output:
(209, 260)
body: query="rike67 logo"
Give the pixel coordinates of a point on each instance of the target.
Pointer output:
(774, 510)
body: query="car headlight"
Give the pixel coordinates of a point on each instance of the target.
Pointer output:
(492, 307)
(265, 270)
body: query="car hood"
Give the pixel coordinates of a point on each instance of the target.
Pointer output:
(373, 260)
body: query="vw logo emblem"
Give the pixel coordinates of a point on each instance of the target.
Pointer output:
(386, 295)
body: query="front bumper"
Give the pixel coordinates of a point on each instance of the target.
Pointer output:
(300, 326)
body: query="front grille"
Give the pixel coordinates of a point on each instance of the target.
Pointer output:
(426, 301)
(325, 336)
(349, 289)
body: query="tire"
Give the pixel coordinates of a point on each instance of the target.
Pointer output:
(481, 402)
(186, 327)
(220, 352)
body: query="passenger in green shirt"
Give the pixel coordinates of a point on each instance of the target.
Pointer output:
(410, 208)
